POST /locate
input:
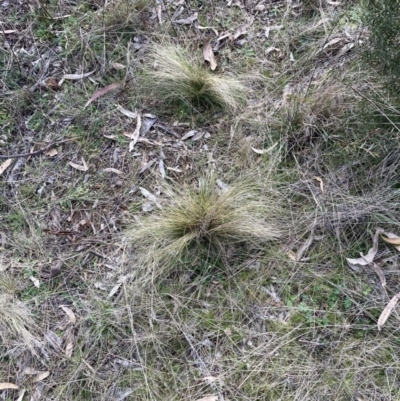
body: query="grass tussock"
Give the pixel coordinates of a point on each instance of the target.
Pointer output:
(175, 75)
(16, 322)
(207, 220)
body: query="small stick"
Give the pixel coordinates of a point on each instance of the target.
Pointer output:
(36, 152)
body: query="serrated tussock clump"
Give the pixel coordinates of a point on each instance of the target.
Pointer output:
(174, 75)
(16, 322)
(208, 220)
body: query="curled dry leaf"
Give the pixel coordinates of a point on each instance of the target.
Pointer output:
(387, 311)
(209, 56)
(8, 386)
(5, 165)
(101, 92)
(69, 313)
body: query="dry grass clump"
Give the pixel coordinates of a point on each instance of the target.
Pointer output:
(175, 75)
(16, 322)
(205, 220)
(121, 13)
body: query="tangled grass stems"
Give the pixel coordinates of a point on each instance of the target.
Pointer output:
(179, 76)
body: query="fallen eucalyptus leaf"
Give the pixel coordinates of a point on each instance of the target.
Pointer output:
(387, 311)
(84, 166)
(5, 165)
(263, 151)
(209, 398)
(187, 21)
(41, 376)
(35, 281)
(136, 133)
(69, 313)
(101, 92)
(209, 56)
(8, 386)
(74, 77)
(130, 114)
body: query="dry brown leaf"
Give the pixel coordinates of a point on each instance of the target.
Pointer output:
(151, 197)
(243, 29)
(321, 183)
(101, 92)
(176, 170)
(161, 167)
(376, 267)
(391, 238)
(69, 313)
(52, 152)
(74, 77)
(187, 21)
(263, 151)
(304, 247)
(68, 349)
(189, 134)
(130, 114)
(208, 27)
(209, 398)
(136, 133)
(387, 311)
(37, 393)
(21, 395)
(118, 66)
(5, 165)
(8, 386)
(35, 281)
(41, 376)
(114, 290)
(113, 170)
(84, 166)
(369, 257)
(209, 56)
(30, 371)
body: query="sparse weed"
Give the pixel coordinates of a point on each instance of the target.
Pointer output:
(174, 75)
